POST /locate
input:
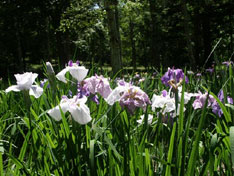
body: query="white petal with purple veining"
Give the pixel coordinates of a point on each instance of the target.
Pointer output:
(115, 95)
(35, 91)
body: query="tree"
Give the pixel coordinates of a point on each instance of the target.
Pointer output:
(111, 7)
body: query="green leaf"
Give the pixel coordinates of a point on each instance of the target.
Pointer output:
(1, 164)
(91, 156)
(232, 143)
(65, 124)
(194, 153)
(170, 152)
(180, 131)
(50, 140)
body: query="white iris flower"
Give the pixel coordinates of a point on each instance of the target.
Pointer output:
(77, 72)
(77, 107)
(24, 82)
(141, 120)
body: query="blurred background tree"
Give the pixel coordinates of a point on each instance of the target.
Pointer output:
(148, 33)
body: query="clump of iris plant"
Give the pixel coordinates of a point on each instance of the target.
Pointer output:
(129, 96)
(174, 78)
(77, 72)
(25, 82)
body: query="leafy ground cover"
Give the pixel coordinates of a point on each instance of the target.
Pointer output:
(171, 122)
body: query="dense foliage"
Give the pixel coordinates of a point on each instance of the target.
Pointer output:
(146, 32)
(157, 124)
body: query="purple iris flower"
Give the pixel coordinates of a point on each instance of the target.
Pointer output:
(134, 98)
(227, 63)
(95, 99)
(128, 96)
(201, 99)
(215, 106)
(175, 75)
(210, 70)
(42, 83)
(98, 84)
(164, 93)
(229, 100)
(70, 63)
(82, 90)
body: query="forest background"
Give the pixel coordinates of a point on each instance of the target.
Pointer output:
(115, 33)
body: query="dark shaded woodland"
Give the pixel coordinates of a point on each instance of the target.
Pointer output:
(118, 33)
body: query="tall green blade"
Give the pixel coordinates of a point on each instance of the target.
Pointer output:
(194, 153)
(170, 152)
(232, 144)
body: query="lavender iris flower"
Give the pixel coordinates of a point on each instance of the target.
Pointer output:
(95, 99)
(227, 63)
(201, 99)
(175, 75)
(210, 70)
(215, 106)
(42, 83)
(164, 93)
(129, 96)
(82, 90)
(134, 98)
(98, 84)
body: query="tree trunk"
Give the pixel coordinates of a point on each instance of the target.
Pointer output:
(48, 48)
(63, 48)
(187, 34)
(198, 38)
(115, 41)
(206, 40)
(206, 32)
(154, 49)
(231, 33)
(20, 62)
(131, 26)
